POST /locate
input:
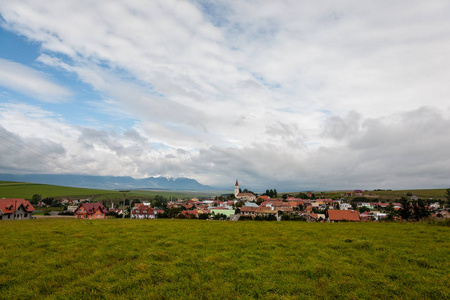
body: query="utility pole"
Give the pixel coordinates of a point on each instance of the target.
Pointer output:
(123, 207)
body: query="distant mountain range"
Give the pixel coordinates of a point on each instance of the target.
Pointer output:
(109, 182)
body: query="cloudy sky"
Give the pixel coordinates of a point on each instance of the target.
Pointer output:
(292, 95)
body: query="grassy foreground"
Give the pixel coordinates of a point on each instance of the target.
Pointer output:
(172, 259)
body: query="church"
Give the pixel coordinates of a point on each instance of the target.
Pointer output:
(243, 196)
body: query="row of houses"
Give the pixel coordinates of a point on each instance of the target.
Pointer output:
(18, 208)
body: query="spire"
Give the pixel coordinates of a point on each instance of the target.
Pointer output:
(237, 184)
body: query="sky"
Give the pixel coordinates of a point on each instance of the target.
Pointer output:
(292, 95)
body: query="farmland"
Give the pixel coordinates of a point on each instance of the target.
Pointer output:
(212, 259)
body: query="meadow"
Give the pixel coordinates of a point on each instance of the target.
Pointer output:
(195, 259)
(9, 189)
(389, 195)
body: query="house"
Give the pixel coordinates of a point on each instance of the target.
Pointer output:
(435, 206)
(286, 209)
(364, 204)
(358, 192)
(190, 214)
(397, 206)
(263, 198)
(143, 212)
(248, 211)
(265, 212)
(71, 208)
(345, 206)
(379, 205)
(366, 216)
(337, 215)
(15, 209)
(311, 217)
(90, 211)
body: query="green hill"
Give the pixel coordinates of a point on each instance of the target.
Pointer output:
(9, 189)
(389, 195)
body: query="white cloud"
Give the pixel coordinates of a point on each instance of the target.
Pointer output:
(299, 92)
(31, 82)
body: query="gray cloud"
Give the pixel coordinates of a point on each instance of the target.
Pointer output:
(288, 93)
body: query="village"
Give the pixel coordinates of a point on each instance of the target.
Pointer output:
(244, 206)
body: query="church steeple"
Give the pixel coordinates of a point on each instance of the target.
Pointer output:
(236, 188)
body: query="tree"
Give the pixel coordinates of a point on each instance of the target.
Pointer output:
(447, 195)
(363, 209)
(203, 216)
(405, 212)
(420, 210)
(173, 212)
(231, 197)
(239, 204)
(36, 198)
(48, 201)
(220, 217)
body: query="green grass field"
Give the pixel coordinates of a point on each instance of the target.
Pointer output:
(10, 189)
(392, 195)
(188, 259)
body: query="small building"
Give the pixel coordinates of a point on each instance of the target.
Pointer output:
(358, 192)
(90, 211)
(72, 208)
(364, 204)
(247, 211)
(345, 206)
(266, 212)
(15, 209)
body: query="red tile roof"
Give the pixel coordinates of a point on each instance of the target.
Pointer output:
(144, 210)
(91, 208)
(248, 209)
(245, 194)
(8, 206)
(343, 215)
(190, 212)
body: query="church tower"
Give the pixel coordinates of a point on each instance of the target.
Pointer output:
(236, 189)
